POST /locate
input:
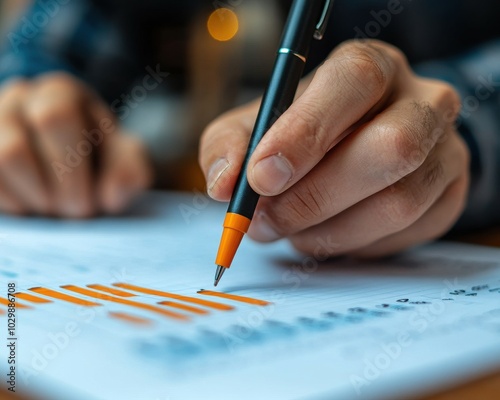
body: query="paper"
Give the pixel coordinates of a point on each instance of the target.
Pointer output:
(97, 327)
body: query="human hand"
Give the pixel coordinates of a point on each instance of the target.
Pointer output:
(367, 161)
(62, 152)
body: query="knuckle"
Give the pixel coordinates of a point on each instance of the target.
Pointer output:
(404, 148)
(363, 66)
(401, 205)
(308, 117)
(397, 57)
(451, 95)
(45, 115)
(399, 150)
(56, 97)
(308, 126)
(450, 98)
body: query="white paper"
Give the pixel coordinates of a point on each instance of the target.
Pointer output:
(335, 330)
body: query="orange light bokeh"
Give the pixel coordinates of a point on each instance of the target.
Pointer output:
(223, 24)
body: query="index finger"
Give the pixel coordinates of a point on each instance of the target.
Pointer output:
(222, 149)
(56, 113)
(346, 90)
(19, 172)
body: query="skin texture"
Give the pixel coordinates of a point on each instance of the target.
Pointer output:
(366, 162)
(42, 121)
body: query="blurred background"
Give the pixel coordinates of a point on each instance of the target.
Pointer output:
(218, 55)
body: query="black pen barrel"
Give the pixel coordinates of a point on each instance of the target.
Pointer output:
(287, 72)
(278, 98)
(302, 21)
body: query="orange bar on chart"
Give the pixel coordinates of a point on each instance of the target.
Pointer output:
(33, 299)
(109, 290)
(184, 307)
(64, 297)
(241, 299)
(131, 303)
(18, 305)
(194, 300)
(130, 318)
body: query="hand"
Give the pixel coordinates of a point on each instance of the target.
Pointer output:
(366, 162)
(61, 152)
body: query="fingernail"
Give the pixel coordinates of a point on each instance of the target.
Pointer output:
(271, 174)
(261, 230)
(215, 171)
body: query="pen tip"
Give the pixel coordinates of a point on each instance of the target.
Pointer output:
(218, 274)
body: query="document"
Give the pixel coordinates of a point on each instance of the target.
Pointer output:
(125, 308)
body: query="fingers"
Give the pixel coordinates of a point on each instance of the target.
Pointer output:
(125, 169)
(125, 173)
(398, 207)
(343, 90)
(58, 144)
(359, 156)
(377, 155)
(22, 188)
(56, 114)
(433, 224)
(223, 147)
(19, 171)
(356, 80)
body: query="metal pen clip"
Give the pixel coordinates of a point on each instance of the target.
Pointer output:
(325, 15)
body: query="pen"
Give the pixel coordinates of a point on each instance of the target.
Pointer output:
(307, 19)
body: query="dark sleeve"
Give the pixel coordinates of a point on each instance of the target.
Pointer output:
(82, 37)
(476, 75)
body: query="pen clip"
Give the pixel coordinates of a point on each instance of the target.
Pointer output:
(325, 15)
